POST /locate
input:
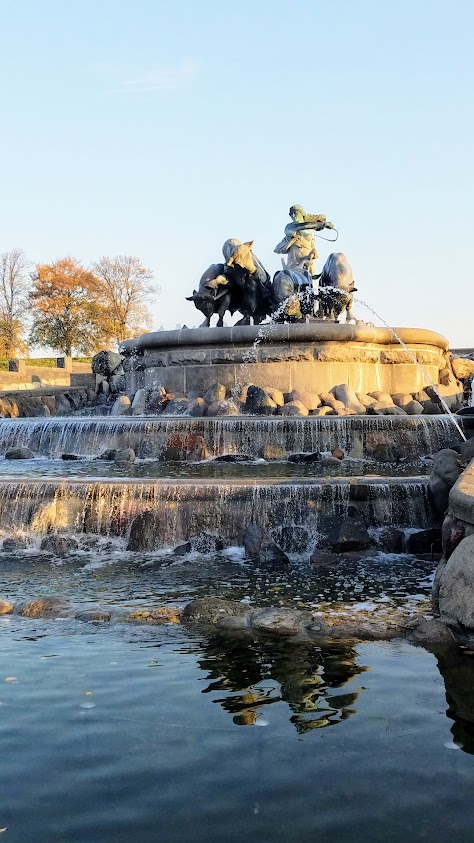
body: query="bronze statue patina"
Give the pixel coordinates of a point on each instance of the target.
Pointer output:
(298, 243)
(241, 282)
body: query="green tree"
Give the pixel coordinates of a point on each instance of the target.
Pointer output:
(66, 314)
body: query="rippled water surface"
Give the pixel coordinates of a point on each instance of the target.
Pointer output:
(118, 733)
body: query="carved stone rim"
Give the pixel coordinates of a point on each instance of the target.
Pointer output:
(291, 333)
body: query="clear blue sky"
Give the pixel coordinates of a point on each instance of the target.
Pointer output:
(160, 129)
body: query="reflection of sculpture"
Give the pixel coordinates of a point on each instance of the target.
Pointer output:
(298, 243)
(304, 676)
(242, 283)
(336, 286)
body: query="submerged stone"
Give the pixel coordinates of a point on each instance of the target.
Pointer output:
(212, 609)
(14, 543)
(94, 615)
(45, 607)
(349, 534)
(19, 454)
(143, 532)
(59, 545)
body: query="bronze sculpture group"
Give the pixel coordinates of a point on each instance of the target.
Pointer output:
(241, 283)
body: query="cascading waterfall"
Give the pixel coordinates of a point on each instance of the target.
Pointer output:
(184, 509)
(150, 437)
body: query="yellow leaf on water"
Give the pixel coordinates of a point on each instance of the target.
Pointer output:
(2, 830)
(88, 693)
(10, 679)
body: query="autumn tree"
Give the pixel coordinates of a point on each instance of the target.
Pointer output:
(14, 284)
(124, 288)
(66, 314)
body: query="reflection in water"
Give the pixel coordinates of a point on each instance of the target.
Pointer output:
(457, 669)
(254, 673)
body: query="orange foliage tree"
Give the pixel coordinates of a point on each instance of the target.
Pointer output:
(66, 313)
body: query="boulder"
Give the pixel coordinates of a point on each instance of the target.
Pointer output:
(310, 400)
(108, 455)
(45, 607)
(178, 406)
(19, 454)
(330, 462)
(293, 408)
(402, 399)
(216, 392)
(275, 395)
(273, 452)
(282, 621)
(431, 631)
(413, 408)
(463, 367)
(346, 394)
(452, 398)
(233, 458)
(452, 533)
(384, 409)
(70, 457)
(430, 408)
(338, 453)
(59, 545)
(323, 411)
(444, 474)
(117, 383)
(366, 400)
(183, 549)
(212, 610)
(143, 532)
(466, 450)
(261, 547)
(323, 558)
(329, 400)
(305, 458)
(6, 608)
(93, 615)
(197, 408)
(225, 407)
(103, 388)
(121, 406)
(390, 539)
(125, 455)
(198, 449)
(158, 398)
(348, 533)
(382, 397)
(139, 402)
(14, 543)
(259, 402)
(424, 541)
(456, 586)
(41, 412)
(422, 397)
(206, 543)
(107, 363)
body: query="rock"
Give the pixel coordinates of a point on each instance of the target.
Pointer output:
(178, 406)
(462, 367)
(197, 408)
(329, 400)
(258, 402)
(293, 408)
(383, 409)
(338, 453)
(206, 543)
(216, 392)
(103, 388)
(391, 539)
(330, 462)
(349, 534)
(467, 450)
(198, 451)
(226, 407)
(45, 607)
(93, 615)
(139, 402)
(432, 631)
(261, 547)
(70, 457)
(452, 533)
(280, 621)
(422, 397)
(143, 532)
(272, 452)
(446, 466)
(41, 412)
(456, 586)
(305, 458)
(211, 610)
(6, 608)
(365, 631)
(117, 383)
(424, 541)
(413, 408)
(183, 549)
(386, 452)
(121, 406)
(366, 400)
(432, 409)
(158, 398)
(59, 545)
(346, 394)
(402, 399)
(275, 395)
(382, 397)
(108, 455)
(19, 454)
(107, 363)
(13, 543)
(323, 411)
(445, 395)
(125, 455)
(233, 458)
(323, 558)
(310, 400)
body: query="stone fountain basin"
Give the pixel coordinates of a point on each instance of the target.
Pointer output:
(312, 356)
